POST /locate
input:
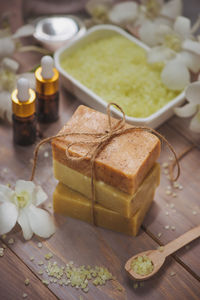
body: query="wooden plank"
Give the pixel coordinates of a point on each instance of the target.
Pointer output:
(88, 245)
(186, 211)
(13, 273)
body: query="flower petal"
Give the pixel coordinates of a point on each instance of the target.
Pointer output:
(192, 92)
(175, 75)
(7, 47)
(39, 195)
(159, 54)
(40, 221)
(10, 64)
(147, 33)
(195, 123)
(172, 9)
(191, 60)
(186, 111)
(123, 12)
(5, 193)
(192, 46)
(24, 223)
(24, 31)
(23, 185)
(182, 26)
(5, 106)
(8, 217)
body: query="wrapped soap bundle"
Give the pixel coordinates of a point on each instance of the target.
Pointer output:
(126, 173)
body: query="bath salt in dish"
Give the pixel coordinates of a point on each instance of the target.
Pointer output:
(116, 69)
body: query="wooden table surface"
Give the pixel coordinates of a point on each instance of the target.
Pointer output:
(85, 244)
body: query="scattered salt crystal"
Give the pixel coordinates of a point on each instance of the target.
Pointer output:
(166, 172)
(175, 185)
(173, 227)
(41, 272)
(166, 227)
(172, 273)
(3, 236)
(167, 214)
(46, 154)
(194, 212)
(161, 249)
(135, 286)
(159, 234)
(39, 245)
(11, 241)
(46, 282)
(40, 263)
(168, 192)
(24, 295)
(171, 205)
(5, 170)
(165, 165)
(4, 246)
(180, 187)
(174, 195)
(1, 252)
(32, 258)
(169, 187)
(27, 281)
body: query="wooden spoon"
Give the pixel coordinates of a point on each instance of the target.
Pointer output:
(158, 257)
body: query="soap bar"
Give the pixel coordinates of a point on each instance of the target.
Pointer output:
(123, 163)
(70, 203)
(106, 195)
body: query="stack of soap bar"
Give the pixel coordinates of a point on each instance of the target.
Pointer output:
(125, 171)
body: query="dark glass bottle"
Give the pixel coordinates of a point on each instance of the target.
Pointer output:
(24, 114)
(47, 107)
(47, 91)
(24, 130)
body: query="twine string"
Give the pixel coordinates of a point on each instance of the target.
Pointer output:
(101, 140)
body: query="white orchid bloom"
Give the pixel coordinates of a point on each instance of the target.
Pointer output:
(8, 43)
(179, 51)
(192, 94)
(123, 12)
(20, 205)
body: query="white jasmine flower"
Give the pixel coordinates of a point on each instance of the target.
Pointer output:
(124, 12)
(192, 94)
(20, 205)
(179, 51)
(154, 13)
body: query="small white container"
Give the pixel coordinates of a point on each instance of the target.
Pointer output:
(91, 99)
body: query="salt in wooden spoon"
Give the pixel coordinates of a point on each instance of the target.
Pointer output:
(158, 257)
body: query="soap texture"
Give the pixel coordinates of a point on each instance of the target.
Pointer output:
(70, 203)
(106, 195)
(123, 163)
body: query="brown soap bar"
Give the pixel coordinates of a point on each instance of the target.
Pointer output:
(123, 163)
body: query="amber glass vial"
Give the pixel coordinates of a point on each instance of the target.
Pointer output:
(24, 119)
(47, 97)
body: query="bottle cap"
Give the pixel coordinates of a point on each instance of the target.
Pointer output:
(23, 89)
(23, 99)
(47, 65)
(46, 77)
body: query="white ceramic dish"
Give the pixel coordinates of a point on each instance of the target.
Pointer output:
(89, 97)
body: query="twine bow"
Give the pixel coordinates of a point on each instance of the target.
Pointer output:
(101, 140)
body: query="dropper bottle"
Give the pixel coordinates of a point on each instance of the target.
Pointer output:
(47, 91)
(24, 113)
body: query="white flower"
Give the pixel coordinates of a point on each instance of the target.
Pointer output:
(154, 13)
(20, 205)
(192, 94)
(178, 50)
